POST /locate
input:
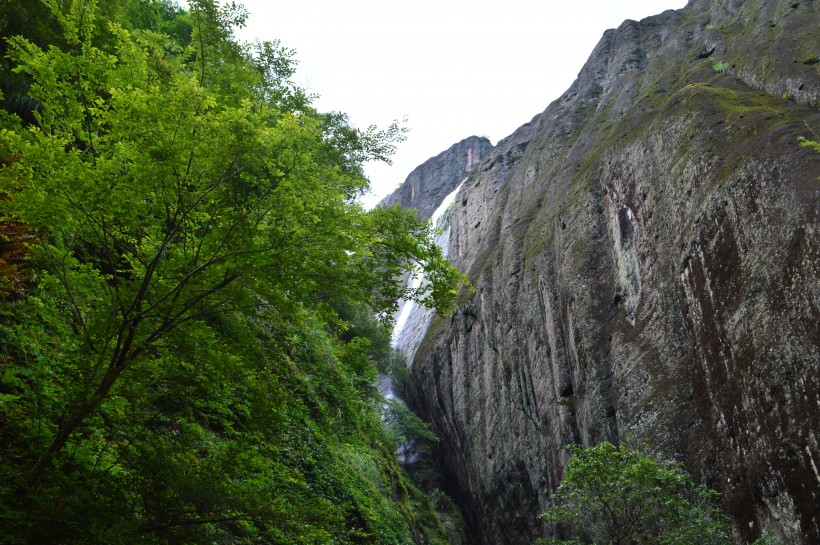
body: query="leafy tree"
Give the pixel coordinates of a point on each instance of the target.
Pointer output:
(620, 496)
(177, 367)
(170, 206)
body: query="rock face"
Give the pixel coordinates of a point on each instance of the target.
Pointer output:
(645, 257)
(424, 190)
(413, 319)
(428, 184)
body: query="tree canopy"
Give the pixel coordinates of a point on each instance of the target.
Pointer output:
(185, 272)
(616, 495)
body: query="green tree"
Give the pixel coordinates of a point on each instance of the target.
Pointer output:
(620, 496)
(175, 371)
(170, 205)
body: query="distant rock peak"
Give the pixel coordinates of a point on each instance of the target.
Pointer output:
(427, 186)
(474, 156)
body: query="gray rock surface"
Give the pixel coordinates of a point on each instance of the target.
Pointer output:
(433, 180)
(645, 258)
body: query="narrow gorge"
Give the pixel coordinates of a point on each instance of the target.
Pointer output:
(645, 260)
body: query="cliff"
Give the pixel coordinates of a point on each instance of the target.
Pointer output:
(425, 189)
(645, 260)
(429, 183)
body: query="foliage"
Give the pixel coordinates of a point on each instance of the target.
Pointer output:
(188, 289)
(413, 440)
(14, 247)
(806, 143)
(767, 539)
(616, 495)
(411, 433)
(719, 66)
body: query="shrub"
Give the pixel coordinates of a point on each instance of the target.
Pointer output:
(616, 495)
(719, 66)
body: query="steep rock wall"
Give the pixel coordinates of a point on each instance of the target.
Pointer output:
(645, 260)
(430, 182)
(424, 190)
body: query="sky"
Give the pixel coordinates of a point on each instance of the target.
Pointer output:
(448, 68)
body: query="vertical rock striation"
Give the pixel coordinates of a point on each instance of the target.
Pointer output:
(645, 259)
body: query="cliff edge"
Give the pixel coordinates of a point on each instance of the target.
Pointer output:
(430, 182)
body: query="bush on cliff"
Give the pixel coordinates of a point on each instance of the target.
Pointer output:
(617, 495)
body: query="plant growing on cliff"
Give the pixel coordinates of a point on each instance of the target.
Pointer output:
(767, 539)
(719, 66)
(411, 433)
(806, 143)
(618, 496)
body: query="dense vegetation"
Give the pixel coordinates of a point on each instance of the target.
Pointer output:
(189, 289)
(618, 495)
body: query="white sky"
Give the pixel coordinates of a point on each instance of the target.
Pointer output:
(453, 68)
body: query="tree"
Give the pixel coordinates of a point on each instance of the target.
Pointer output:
(620, 496)
(170, 374)
(170, 205)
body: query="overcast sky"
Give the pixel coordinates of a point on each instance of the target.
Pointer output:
(452, 68)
